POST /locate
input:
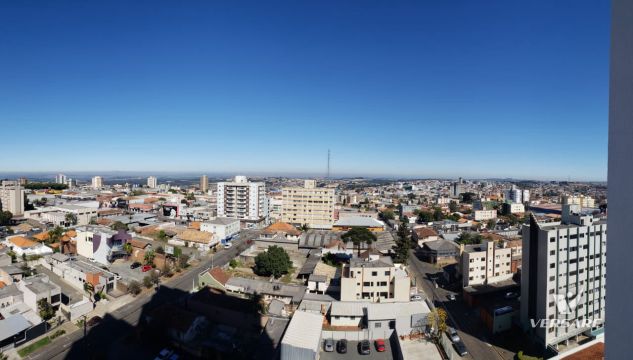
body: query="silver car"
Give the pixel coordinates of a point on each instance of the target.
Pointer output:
(328, 345)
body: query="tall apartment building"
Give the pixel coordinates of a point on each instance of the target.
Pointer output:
(242, 199)
(582, 200)
(375, 279)
(12, 197)
(309, 205)
(204, 183)
(152, 182)
(97, 182)
(563, 277)
(60, 179)
(485, 263)
(457, 188)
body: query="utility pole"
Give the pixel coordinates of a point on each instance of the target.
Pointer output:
(327, 176)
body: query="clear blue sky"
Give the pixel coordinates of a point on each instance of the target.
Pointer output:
(420, 88)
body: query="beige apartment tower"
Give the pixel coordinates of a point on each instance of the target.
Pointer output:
(12, 197)
(204, 183)
(309, 205)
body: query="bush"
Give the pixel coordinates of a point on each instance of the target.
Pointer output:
(134, 287)
(233, 263)
(57, 334)
(522, 356)
(147, 282)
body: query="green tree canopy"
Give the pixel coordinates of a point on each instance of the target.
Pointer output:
(275, 262)
(118, 226)
(425, 217)
(358, 236)
(467, 238)
(46, 310)
(387, 215)
(56, 234)
(71, 219)
(452, 206)
(5, 218)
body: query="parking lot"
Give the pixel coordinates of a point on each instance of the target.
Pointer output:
(122, 267)
(352, 352)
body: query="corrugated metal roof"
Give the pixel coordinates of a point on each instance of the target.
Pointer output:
(304, 331)
(348, 308)
(13, 325)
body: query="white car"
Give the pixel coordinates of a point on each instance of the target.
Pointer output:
(416, 297)
(227, 245)
(451, 297)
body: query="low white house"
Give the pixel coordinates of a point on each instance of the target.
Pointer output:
(23, 246)
(221, 227)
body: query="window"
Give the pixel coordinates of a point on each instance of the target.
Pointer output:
(366, 283)
(552, 239)
(374, 273)
(378, 325)
(552, 265)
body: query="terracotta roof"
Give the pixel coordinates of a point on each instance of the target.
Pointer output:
(283, 228)
(195, 225)
(493, 236)
(43, 236)
(195, 236)
(219, 275)
(141, 206)
(71, 233)
(2, 284)
(54, 245)
(104, 221)
(138, 243)
(424, 232)
(22, 242)
(514, 243)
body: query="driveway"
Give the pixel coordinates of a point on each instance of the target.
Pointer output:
(352, 353)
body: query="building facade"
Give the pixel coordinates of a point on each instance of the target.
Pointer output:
(12, 197)
(97, 182)
(204, 183)
(563, 277)
(374, 279)
(152, 182)
(309, 205)
(242, 199)
(483, 215)
(485, 263)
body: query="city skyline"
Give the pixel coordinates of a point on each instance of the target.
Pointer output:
(398, 90)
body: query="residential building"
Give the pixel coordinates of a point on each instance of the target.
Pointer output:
(275, 206)
(12, 197)
(582, 200)
(202, 240)
(308, 205)
(97, 182)
(23, 246)
(483, 215)
(563, 276)
(513, 208)
(204, 183)
(60, 179)
(485, 263)
(439, 252)
(242, 199)
(101, 243)
(348, 223)
(78, 273)
(422, 234)
(152, 182)
(302, 340)
(38, 287)
(457, 188)
(374, 278)
(222, 228)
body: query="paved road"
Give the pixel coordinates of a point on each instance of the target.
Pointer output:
(124, 319)
(464, 319)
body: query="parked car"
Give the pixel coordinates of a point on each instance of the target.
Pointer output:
(511, 295)
(94, 321)
(452, 334)
(328, 345)
(227, 245)
(146, 268)
(380, 345)
(364, 348)
(164, 354)
(416, 297)
(92, 259)
(341, 346)
(135, 264)
(460, 348)
(451, 297)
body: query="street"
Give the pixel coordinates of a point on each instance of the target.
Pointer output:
(119, 323)
(465, 320)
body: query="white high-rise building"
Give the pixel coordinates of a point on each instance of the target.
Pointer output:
(204, 183)
(526, 196)
(12, 197)
(152, 182)
(241, 199)
(97, 182)
(563, 277)
(309, 205)
(485, 263)
(582, 200)
(61, 179)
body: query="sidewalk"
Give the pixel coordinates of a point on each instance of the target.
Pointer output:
(67, 326)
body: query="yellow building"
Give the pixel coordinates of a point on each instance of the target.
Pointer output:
(309, 205)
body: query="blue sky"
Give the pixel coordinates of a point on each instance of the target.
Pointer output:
(413, 88)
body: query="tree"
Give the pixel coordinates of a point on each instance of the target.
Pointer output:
(128, 248)
(118, 226)
(154, 277)
(134, 287)
(162, 235)
(359, 236)
(437, 319)
(160, 250)
(55, 235)
(275, 262)
(512, 219)
(491, 223)
(387, 215)
(71, 219)
(403, 245)
(47, 311)
(27, 205)
(467, 238)
(149, 257)
(147, 282)
(452, 206)
(438, 214)
(5, 218)
(183, 260)
(233, 263)
(424, 217)
(468, 197)
(304, 227)
(190, 197)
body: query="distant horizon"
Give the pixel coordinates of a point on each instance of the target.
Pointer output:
(227, 175)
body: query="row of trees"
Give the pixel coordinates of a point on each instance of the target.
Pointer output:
(45, 185)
